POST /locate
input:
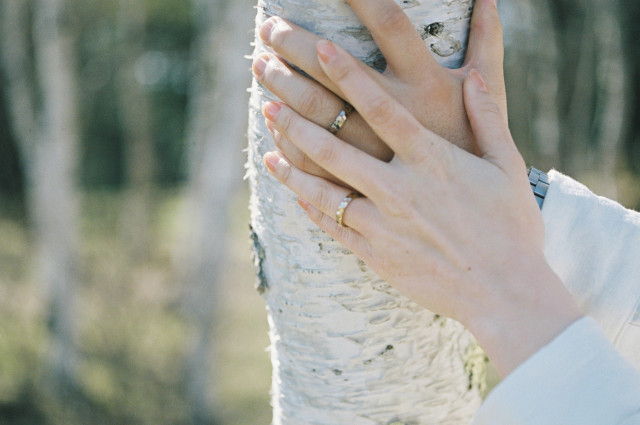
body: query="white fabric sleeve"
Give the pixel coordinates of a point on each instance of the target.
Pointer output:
(579, 378)
(593, 244)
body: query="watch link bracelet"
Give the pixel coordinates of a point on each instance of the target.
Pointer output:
(539, 184)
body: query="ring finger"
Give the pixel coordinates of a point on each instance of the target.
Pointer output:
(308, 98)
(327, 197)
(317, 104)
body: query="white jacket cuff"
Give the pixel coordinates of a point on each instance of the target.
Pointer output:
(578, 378)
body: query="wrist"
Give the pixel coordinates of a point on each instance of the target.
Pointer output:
(523, 318)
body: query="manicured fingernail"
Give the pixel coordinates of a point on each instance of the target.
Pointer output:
(326, 51)
(495, 3)
(271, 160)
(304, 204)
(271, 109)
(259, 65)
(266, 28)
(478, 81)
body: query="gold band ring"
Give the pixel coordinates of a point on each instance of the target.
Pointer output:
(343, 206)
(337, 124)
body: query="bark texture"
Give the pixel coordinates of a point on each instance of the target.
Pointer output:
(346, 348)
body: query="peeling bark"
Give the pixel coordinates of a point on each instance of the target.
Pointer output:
(346, 348)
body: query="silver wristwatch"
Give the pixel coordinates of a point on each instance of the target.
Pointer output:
(539, 184)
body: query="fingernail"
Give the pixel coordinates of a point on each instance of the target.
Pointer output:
(495, 3)
(269, 125)
(259, 65)
(271, 109)
(326, 51)
(265, 30)
(478, 81)
(304, 204)
(271, 160)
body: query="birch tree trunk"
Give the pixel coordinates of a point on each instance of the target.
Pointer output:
(346, 348)
(217, 125)
(135, 117)
(48, 137)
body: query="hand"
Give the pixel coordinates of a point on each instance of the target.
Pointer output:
(460, 234)
(432, 93)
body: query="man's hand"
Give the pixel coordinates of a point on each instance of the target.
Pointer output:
(432, 93)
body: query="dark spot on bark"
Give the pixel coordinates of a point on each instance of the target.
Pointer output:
(320, 246)
(405, 4)
(432, 30)
(376, 60)
(258, 255)
(337, 372)
(389, 348)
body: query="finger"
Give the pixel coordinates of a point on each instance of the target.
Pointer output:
(297, 46)
(388, 118)
(298, 158)
(486, 46)
(323, 195)
(308, 98)
(348, 237)
(397, 38)
(358, 169)
(318, 105)
(490, 129)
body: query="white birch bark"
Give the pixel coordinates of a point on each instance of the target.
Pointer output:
(345, 347)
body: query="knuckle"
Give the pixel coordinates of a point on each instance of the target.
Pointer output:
(280, 34)
(322, 198)
(491, 109)
(285, 118)
(286, 173)
(326, 153)
(310, 102)
(381, 111)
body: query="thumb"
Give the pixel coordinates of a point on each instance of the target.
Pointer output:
(486, 47)
(488, 124)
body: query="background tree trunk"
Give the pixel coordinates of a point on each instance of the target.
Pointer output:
(345, 347)
(48, 136)
(135, 118)
(217, 124)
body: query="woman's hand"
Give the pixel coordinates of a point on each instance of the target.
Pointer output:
(432, 93)
(460, 234)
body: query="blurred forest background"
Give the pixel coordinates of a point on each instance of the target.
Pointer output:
(126, 286)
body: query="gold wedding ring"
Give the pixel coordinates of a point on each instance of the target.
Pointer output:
(343, 206)
(341, 119)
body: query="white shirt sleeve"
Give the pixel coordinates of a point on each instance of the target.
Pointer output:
(593, 244)
(589, 374)
(579, 378)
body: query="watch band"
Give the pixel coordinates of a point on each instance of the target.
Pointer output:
(539, 184)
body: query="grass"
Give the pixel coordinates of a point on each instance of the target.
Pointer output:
(131, 331)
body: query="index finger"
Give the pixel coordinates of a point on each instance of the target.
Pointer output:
(397, 38)
(389, 119)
